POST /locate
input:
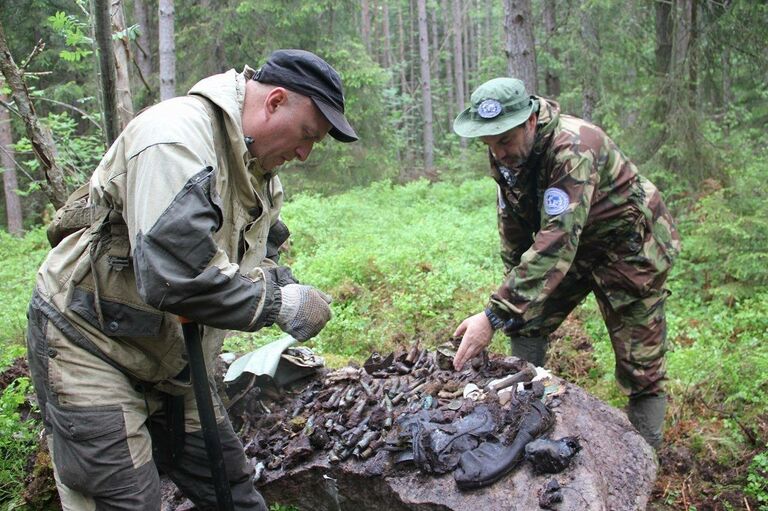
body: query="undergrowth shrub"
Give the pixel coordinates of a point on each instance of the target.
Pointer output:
(725, 248)
(757, 480)
(17, 439)
(402, 262)
(21, 257)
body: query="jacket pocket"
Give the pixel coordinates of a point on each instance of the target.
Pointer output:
(120, 319)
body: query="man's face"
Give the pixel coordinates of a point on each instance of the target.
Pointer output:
(513, 147)
(293, 125)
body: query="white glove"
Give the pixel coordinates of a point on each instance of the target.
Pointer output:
(304, 311)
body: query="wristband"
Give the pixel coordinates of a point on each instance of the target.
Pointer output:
(496, 322)
(510, 326)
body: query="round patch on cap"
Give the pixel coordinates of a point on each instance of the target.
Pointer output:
(489, 109)
(555, 201)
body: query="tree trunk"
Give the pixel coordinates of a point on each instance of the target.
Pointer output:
(435, 30)
(39, 135)
(590, 79)
(103, 31)
(387, 36)
(8, 164)
(143, 51)
(413, 31)
(449, 75)
(489, 30)
(365, 25)
(681, 42)
(693, 68)
(467, 46)
(167, 49)
(519, 42)
(375, 33)
(727, 81)
(458, 59)
(401, 50)
(122, 58)
(216, 61)
(663, 52)
(426, 88)
(552, 77)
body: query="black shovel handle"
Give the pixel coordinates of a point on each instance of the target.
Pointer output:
(207, 416)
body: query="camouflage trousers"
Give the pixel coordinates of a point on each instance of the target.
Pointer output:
(631, 301)
(108, 438)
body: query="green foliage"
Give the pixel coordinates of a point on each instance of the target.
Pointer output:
(334, 167)
(77, 154)
(726, 247)
(757, 480)
(21, 257)
(401, 261)
(72, 29)
(17, 438)
(282, 507)
(129, 33)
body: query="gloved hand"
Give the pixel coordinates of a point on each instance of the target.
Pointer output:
(304, 311)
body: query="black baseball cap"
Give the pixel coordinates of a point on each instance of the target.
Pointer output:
(307, 74)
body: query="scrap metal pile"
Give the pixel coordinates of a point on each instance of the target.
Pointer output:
(409, 407)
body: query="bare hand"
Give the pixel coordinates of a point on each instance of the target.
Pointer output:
(477, 334)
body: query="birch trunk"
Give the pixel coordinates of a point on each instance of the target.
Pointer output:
(426, 88)
(122, 60)
(167, 50)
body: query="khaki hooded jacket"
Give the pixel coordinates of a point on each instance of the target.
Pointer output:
(186, 220)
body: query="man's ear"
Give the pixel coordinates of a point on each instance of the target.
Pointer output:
(276, 97)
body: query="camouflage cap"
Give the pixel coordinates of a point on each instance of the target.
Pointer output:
(497, 106)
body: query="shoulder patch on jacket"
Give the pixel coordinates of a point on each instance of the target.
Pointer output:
(555, 201)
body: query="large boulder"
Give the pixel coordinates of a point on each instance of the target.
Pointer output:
(615, 470)
(364, 439)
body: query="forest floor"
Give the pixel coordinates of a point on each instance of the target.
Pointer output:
(688, 478)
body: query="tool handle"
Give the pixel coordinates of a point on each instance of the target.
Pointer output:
(207, 415)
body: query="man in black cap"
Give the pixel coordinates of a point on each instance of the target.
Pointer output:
(181, 219)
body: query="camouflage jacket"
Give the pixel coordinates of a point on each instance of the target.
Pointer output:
(577, 201)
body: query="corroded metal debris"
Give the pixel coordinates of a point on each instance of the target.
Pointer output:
(408, 407)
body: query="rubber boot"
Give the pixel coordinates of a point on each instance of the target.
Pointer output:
(492, 460)
(532, 349)
(646, 413)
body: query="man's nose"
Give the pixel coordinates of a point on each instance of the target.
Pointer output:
(302, 152)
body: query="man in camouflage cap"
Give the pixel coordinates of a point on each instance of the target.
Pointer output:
(574, 216)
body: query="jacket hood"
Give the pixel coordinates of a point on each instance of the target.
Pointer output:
(227, 91)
